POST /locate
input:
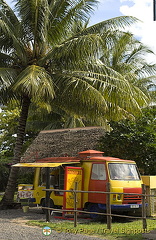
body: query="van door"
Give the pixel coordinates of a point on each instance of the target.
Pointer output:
(98, 180)
(73, 177)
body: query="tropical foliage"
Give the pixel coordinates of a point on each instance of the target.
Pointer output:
(48, 57)
(38, 120)
(58, 64)
(9, 116)
(134, 140)
(128, 56)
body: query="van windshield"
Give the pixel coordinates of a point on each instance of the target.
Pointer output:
(123, 171)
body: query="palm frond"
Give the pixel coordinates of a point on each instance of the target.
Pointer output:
(10, 38)
(77, 92)
(138, 50)
(117, 23)
(65, 13)
(74, 49)
(7, 77)
(5, 60)
(35, 82)
(35, 18)
(5, 10)
(145, 70)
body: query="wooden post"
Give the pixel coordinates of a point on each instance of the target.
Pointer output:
(75, 204)
(148, 201)
(144, 207)
(108, 206)
(47, 199)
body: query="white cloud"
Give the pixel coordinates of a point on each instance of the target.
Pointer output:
(143, 10)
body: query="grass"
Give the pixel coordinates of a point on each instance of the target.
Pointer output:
(120, 230)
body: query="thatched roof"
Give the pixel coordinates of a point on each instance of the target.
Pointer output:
(63, 142)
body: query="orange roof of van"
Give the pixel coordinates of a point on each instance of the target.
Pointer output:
(89, 155)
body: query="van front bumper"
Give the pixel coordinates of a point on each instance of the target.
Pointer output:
(122, 207)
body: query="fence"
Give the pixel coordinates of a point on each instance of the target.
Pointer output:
(108, 205)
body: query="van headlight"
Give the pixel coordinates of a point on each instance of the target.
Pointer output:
(119, 196)
(114, 197)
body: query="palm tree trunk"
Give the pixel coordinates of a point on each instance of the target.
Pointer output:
(8, 197)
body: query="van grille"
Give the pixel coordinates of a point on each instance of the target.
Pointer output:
(132, 197)
(128, 198)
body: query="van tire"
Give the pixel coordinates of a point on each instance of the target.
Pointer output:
(43, 205)
(93, 207)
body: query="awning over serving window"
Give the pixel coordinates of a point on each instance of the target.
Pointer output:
(39, 164)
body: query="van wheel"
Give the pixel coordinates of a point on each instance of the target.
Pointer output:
(93, 207)
(43, 205)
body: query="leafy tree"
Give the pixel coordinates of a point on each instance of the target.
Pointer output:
(134, 140)
(9, 123)
(126, 55)
(46, 60)
(9, 116)
(38, 120)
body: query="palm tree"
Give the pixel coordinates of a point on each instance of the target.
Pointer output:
(127, 56)
(45, 59)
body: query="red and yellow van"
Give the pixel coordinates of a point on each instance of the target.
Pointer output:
(91, 171)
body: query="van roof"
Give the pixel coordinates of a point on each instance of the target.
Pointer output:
(88, 156)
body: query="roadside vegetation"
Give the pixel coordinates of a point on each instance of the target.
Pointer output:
(128, 139)
(135, 140)
(121, 229)
(53, 63)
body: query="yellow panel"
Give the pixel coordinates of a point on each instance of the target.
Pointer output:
(36, 164)
(87, 169)
(74, 175)
(146, 180)
(39, 194)
(149, 181)
(152, 182)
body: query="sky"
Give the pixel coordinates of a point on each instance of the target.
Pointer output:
(145, 31)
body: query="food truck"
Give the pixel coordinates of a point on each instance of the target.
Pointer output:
(90, 171)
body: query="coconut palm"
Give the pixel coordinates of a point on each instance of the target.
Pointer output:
(45, 59)
(128, 56)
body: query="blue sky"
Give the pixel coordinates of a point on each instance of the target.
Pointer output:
(142, 9)
(107, 9)
(145, 31)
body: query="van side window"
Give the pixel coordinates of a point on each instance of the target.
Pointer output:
(98, 172)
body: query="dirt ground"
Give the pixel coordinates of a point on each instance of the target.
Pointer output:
(13, 226)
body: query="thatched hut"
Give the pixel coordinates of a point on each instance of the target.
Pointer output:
(63, 142)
